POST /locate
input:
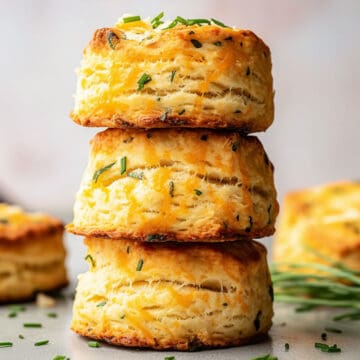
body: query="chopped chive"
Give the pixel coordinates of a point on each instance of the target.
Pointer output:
(217, 43)
(287, 346)
(60, 357)
(16, 308)
(172, 75)
(101, 304)
(321, 345)
(333, 330)
(136, 175)
(6, 344)
(131, 19)
(247, 71)
(198, 21)
(123, 165)
(265, 357)
(32, 325)
(112, 39)
(97, 173)
(235, 145)
(219, 23)
(156, 21)
(304, 308)
(139, 265)
(196, 43)
(197, 192)
(41, 343)
(182, 20)
(88, 256)
(144, 79)
(181, 112)
(12, 314)
(52, 315)
(21, 337)
(169, 358)
(171, 188)
(93, 344)
(155, 237)
(171, 25)
(128, 249)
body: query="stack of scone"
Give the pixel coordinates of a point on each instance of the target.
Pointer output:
(175, 191)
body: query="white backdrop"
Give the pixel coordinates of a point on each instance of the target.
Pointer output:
(316, 56)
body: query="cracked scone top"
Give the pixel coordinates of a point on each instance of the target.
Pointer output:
(209, 76)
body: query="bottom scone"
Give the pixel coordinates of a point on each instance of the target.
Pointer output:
(174, 296)
(32, 254)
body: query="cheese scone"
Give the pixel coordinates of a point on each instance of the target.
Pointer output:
(209, 76)
(176, 184)
(31, 254)
(321, 225)
(174, 295)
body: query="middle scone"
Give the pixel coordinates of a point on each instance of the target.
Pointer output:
(176, 184)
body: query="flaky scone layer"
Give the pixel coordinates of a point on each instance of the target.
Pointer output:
(321, 225)
(186, 76)
(173, 295)
(170, 184)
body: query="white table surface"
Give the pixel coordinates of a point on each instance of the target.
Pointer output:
(301, 331)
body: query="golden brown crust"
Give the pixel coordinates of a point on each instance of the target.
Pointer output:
(224, 83)
(321, 224)
(182, 296)
(16, 225)
(191, 185)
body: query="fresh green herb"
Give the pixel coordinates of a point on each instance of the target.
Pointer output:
(16, 308)
(247, 71)
(172, 75)
(155, 237)
(181, 20)
(136, 175)
(21, 337)
(41, 343)
(97, 173)
(12, 314)
(139, 265)
(336, 286)
(171, 25)
(128, 140)
(60, 357)
(304, 308)
(248, 229)
(333, 330)
(265, 357)
(144, 79)
(4, 221)
(101, 304)
(52, 315)
(171, 188)
(123, 165)
(181, 112)
(89, 257)
(257, 320)
(197, 192)
(131, 19)
(156, 21)
(196, 43)
(93, 344)
(217, 43)
(287, 346)
(219, 23)
(169, 358)
(198, 22)
(6, 344)
(235, 145)
(112, 39)
(327, 348)
(128, 249)
(324, 336)
(32, 325)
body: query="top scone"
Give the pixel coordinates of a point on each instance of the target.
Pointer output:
(140, 74)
